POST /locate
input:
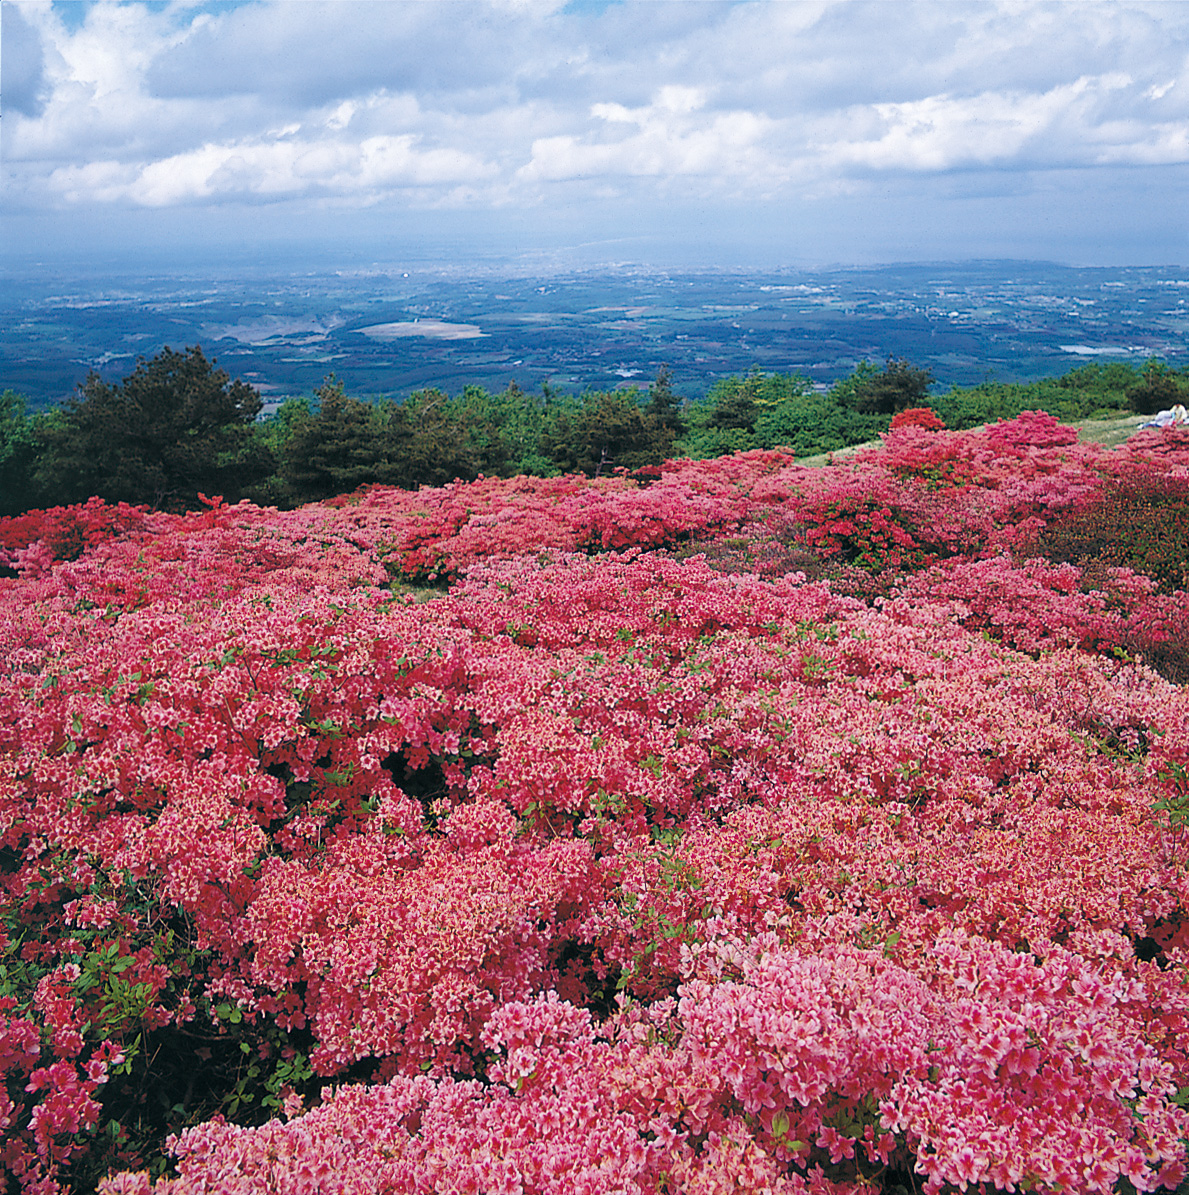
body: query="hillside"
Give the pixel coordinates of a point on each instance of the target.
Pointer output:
(1110, 433)
(743, 825)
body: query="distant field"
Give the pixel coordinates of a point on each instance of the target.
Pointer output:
(390, 333)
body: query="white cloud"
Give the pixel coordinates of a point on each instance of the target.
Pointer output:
(1061, 126)
(278, 169)
(672, 137)
(92, 182)
(532, 103)
(341, 116)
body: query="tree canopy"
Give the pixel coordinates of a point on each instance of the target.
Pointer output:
(18, 454)
(896, 387)
(609, 430)
(178, 426)
(175, 427)
(335, 450)
(1157, 389)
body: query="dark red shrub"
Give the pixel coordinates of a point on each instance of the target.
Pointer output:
(1141, 523)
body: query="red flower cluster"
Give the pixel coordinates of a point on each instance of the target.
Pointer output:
(924, 417)
(603, 870)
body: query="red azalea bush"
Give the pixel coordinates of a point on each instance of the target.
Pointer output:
(603, 870)
(33, 541)
(924, 417)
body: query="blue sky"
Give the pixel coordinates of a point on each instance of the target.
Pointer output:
(668, 133)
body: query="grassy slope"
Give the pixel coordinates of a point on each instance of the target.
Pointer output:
(1110, 432)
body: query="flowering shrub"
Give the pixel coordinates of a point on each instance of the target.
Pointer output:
(1140, 523)
(924, 417)
(628, 861)
(872, 518)
(32, 541)
(1030, 430)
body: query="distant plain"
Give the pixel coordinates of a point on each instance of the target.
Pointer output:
(388, 329)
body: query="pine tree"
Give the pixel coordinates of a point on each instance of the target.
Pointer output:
(664, 406)
(336, 450)
(173, 428)
(896, 387)
(608, 430)
(1157, 389)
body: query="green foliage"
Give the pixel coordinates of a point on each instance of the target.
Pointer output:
(777, 411)
(1088, 392)
(174, 427)
(664, 405)
(988, 402)
(172, 1075)
(434, 439)
(275, 431)
(335, 450)
(702, 443)
(430, 439)
(523, 420)
(742, 402)
(815, 424)
(606, 430)
(18, 455)
(896, 387)
(1172, 813)
(734, 408)
(177, 426)
(1158, 389)
(845, 391)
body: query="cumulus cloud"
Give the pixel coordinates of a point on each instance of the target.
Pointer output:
(669, 138)
(278, 168)
(517, 102)
(1055, 128)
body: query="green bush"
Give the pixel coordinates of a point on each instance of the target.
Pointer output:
(1090, 391)
(1156, 390)
(896, 387)
(18, 454)
(816, 424)
(777, 411)
(605, 431)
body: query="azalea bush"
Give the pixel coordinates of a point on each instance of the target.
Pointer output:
(1140, 523)
(742, 826)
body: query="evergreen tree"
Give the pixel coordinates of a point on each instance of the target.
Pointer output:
(523, 419)
(664, 406)
(896, 387)
(434, 439)
(734, 404)
(174, 427)
(335, 450)
(18, 455)
(1157, 389)
(606, 431)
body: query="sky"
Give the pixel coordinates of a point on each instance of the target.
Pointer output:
(803, 133)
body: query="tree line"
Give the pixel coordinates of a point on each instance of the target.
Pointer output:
(178, 426)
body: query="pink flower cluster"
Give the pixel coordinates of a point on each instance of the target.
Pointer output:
(604, 870)
(32, 541)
